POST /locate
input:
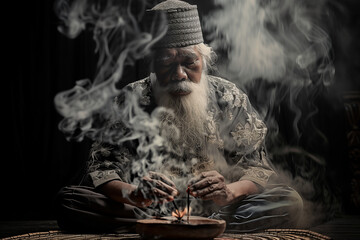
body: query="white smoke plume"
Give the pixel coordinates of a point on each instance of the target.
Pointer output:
(272, 39)
(276, 51)
(89, 107)
(280, 53)
(120, 41)
(122, 36)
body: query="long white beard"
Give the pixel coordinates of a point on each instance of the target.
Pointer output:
(190, 113)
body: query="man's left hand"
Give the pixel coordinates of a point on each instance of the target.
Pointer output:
(211, 186)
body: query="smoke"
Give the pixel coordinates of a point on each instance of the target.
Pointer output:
(91, 106)
(277, 40)
(120, 41)
(280, 53)
(95, 108)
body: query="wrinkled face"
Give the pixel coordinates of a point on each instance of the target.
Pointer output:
(176, 66)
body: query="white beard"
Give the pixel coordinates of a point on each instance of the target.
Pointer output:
(189, 113)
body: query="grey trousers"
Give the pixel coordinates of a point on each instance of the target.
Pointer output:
(81, 208)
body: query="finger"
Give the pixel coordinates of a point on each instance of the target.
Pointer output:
(146, 179)
(150, 181)
(164, 178)
(202, 176)
(161, 195)
(215, 194)
(164, 187)
(148, 185)
(209, 189)
(205, 183)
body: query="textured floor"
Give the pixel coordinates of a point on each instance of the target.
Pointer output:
(275, 234)
(344, 228)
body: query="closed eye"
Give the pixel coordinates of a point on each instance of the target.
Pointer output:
(191, 63)
(165, 61)
(166, 64)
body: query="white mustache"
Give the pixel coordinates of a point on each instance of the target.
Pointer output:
(179, 86)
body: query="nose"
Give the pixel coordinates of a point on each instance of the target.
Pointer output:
(179, 74)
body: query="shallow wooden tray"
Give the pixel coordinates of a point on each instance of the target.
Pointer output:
(167, 228)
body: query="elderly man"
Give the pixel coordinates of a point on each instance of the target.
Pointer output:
(217, 142)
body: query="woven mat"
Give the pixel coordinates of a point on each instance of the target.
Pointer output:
(272, 234)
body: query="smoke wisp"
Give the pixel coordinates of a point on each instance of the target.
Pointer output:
(120, 41)
(280, 53)
(96, 108)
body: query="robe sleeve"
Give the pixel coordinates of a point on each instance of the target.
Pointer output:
(107, 163)
(246, 132)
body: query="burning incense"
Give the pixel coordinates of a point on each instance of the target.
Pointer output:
(179, 215)
(188, 203)
(175, 206)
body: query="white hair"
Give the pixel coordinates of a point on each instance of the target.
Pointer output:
(208, 55)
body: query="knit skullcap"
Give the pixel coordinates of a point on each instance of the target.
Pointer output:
(183, 23)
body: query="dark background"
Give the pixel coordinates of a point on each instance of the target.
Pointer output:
(38, 160)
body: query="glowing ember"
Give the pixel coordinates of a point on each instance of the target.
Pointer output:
(180, 214)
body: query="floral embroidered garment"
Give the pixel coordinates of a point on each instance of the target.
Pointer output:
(235, 135)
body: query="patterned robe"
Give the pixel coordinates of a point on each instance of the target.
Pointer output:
(235, 134)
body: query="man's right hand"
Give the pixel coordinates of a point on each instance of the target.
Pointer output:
(155, 187)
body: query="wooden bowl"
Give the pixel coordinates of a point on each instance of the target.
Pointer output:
(167, 228)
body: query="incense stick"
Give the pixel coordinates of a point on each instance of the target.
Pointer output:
(188, 203)
(175, 206)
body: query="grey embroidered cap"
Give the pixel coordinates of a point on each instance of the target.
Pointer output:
(183, 22)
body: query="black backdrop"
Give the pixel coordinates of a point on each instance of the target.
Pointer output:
(37, 160)
(46, 62)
